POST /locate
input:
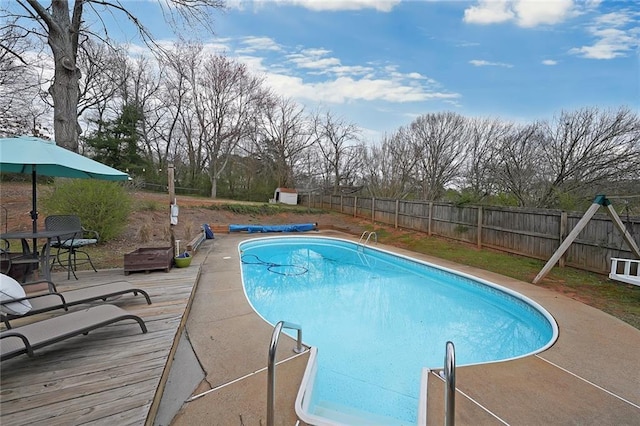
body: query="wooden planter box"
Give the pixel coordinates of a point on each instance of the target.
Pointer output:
(148, 259)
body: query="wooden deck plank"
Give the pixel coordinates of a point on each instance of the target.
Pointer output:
(73, 380)
(109, 376)
(82, 409)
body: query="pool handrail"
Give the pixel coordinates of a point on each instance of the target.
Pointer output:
(271, 373)
(450, 384)
(368, 234)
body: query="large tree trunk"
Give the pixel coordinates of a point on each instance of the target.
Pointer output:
(63, 40)
(64, 92)
(63, 27)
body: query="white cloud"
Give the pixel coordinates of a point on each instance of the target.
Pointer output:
(253, 44)
(483, 63)
(526, 13)
(612, 39)
(488, 12)
(343, 84)
(549, 62)
(531, 13)
(614, 19)
(351, 70)
(347, 89)
(320, 5)
(303, 60)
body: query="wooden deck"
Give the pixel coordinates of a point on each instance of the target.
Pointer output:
(111, 375)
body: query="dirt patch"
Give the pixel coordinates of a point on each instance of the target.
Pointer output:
(149, 226)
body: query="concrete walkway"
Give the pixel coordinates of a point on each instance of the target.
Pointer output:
(591, 376)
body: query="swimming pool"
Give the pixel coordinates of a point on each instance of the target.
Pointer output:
(378, 318)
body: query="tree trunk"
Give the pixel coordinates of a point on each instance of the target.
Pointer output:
(65, 90)
(214, 185)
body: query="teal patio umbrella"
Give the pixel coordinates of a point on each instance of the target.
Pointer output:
(36, 156)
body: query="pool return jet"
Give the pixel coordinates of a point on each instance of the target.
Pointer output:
(600, 200)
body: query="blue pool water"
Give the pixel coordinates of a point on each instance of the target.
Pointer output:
(377, 318)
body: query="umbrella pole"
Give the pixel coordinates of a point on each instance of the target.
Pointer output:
(34, 211)
(34, 201)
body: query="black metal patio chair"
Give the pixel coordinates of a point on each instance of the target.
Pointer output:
(72, 238)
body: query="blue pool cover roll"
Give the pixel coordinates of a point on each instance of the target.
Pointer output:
(293, 227)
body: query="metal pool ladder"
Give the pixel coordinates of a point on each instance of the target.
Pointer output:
(450, 384)
(271, 367)
(368, 234)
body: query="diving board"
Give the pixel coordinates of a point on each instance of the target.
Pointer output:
(625, 270)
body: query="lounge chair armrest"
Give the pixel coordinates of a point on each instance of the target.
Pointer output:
(63, 302)
(52, 286)
(27, 345)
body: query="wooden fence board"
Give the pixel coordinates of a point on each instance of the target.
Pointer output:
(536, 233)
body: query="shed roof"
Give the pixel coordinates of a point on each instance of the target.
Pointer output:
(289, 190)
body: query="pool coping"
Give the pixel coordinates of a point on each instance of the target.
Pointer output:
(592, 366)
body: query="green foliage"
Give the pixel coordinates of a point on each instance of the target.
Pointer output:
(462, 198)
(115, 143)
(504, 199)
(567, 201)
(102, 206)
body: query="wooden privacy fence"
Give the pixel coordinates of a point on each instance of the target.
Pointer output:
(535, 233)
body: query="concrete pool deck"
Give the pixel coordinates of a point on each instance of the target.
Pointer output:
(590, 376)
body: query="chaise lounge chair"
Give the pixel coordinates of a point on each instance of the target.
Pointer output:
(26, 339)
(14, 303)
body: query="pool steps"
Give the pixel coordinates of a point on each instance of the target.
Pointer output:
(351, 416)
(325, 413)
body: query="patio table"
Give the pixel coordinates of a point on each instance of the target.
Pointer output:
(28, 253)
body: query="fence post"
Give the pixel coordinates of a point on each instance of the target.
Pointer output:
(480, 227)
(563, 235)
(430, 214)
(397, 209)
(341, 203)
(373, 210)
(355, 206)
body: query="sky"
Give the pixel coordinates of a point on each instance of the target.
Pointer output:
(381, 63)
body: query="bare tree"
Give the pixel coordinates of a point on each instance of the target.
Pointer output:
(173, 125)
(588, 148)
(21, 107)
(439, 143)
(226, 99)
(286, 135)
(484, 137)
(516, 167)
(141, 87)
(103, 74)
(390, 166)
(337, 142)
(61, 24)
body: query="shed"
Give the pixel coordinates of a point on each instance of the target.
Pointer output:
(285, 196)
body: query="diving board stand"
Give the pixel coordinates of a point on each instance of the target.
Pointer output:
(600, 200)
(625, 270)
